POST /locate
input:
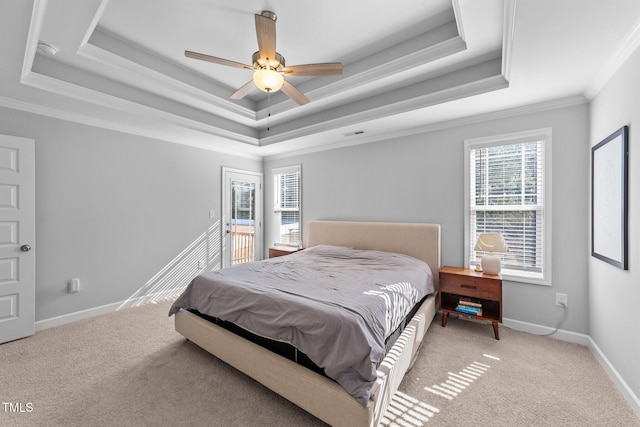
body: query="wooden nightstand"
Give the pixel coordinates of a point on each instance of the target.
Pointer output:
(477, 288)
(276, 251)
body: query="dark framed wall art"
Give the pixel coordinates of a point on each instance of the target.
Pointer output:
(609, 199)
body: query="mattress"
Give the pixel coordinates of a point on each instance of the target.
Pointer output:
(337, 305)
(290, 352)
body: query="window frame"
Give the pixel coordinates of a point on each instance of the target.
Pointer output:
(274, 208)
(544, 135)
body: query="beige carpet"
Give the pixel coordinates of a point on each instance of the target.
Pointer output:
(131, 368)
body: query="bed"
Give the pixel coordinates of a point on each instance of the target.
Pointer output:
(310, 390)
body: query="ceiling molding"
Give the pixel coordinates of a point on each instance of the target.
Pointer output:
(411, 54)
(457, 13)
(481, 78)
(94, 22)
(442, 125)
(354, 82)
(221, 146)
(84, 86)
(149, 69)
(124, 106)
(615, 61)
(508, 31)
(474, 88)
(33, 36)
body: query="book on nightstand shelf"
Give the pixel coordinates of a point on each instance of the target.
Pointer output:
(469, 302)
(467, 306)
(469, 310)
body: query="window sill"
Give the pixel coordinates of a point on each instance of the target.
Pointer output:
(532, 279)
(521, 277)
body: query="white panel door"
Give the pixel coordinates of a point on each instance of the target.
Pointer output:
(17, 238)
(242, 216)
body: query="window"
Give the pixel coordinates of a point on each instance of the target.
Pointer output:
(285, 228)
(508, 191)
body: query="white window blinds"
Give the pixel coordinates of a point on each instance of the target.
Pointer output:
(507, 196)
(286, 207)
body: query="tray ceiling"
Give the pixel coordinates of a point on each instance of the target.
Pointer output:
(120, 64)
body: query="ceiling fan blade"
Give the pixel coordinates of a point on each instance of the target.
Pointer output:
(215, 60)
(266, 33)
(326, 69)
(244, 90)
(294, 93)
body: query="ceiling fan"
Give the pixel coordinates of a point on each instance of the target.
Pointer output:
(269, 67)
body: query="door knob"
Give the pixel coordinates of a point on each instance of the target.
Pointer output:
(25, 248)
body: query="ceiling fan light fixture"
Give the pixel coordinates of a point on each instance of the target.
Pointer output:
(268, 66)
(268, 80)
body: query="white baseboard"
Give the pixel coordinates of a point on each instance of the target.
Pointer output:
(624, 388)
(78, 315)
(587, 341)
(105, 309)
(535, 329)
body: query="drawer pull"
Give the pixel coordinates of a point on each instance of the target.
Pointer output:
(469, 286)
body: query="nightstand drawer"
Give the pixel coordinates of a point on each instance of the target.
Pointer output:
(470, 286)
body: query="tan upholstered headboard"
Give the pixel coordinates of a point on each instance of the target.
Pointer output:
(421, 241)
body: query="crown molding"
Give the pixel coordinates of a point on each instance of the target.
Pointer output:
(222, 146)
(33, 36)
(508, 30)
(618, 57)
(479, 78)
(417, 52)
(156, 73)
(443, 125)
(457, 13)
(120, 105)
(498, 115)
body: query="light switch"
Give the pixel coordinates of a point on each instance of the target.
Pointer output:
(212, 214)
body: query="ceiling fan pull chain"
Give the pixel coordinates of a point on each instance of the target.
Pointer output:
(268, 109)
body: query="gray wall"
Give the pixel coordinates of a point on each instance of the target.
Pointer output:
(116, 211)
(420, 179)
(614, 293)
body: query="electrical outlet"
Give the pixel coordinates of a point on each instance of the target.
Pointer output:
(73, 286)
(562, 299)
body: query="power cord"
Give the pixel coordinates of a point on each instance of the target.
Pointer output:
(560, 322)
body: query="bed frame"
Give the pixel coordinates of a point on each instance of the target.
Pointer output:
(309, 390)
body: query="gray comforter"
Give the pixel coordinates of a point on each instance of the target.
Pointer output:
(335, 304)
